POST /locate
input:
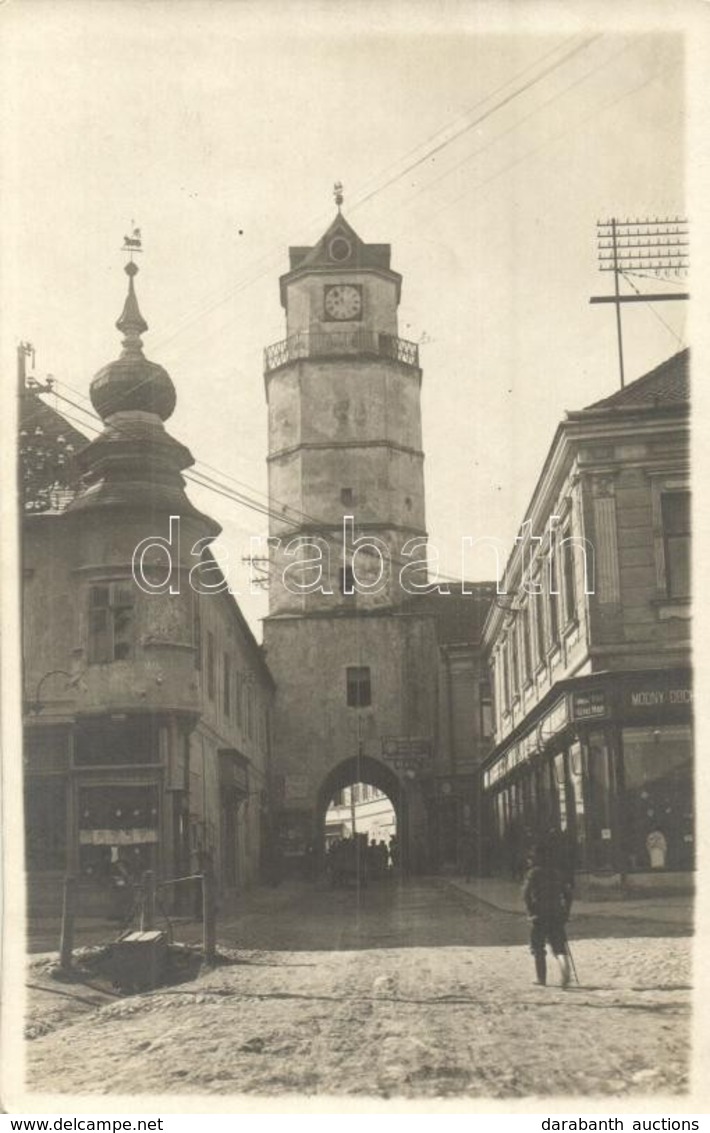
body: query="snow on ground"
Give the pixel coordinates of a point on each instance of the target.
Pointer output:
(414, 1022)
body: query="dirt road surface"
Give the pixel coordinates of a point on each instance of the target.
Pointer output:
(411, 990)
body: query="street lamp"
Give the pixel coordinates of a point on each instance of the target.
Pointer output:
(34, 707)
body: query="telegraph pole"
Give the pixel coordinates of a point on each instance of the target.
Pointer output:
(646, 248)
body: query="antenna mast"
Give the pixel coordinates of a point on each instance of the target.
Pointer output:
(641, 247)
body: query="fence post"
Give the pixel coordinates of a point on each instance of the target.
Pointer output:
(148, 903)
(66, 943)
(209, 912)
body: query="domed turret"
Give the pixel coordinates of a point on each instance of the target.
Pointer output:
(135, 464)
(132, 382)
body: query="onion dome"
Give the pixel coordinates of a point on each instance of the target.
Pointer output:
(135, 465)
(132, 382)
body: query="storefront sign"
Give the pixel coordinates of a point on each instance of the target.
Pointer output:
(295, 787)
(658, 692)
(586, 705)
(406, 747)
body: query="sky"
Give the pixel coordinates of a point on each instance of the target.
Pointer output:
(483, 143)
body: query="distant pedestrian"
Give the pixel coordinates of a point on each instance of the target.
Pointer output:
(547, 894)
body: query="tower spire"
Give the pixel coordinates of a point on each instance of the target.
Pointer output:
(338, 194)
(131, 322)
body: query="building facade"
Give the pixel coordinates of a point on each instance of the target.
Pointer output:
(589, 644)
(146, 696)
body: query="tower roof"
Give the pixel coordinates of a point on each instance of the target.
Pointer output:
(339, 249)
(135, 463)
(132, 382)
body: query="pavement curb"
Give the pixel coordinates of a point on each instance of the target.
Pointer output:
(615, 912)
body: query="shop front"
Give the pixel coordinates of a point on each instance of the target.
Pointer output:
(607, 763)
(104, 802)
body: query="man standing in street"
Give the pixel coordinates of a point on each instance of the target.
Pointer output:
(548, 899)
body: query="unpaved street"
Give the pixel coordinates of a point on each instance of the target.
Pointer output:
(413, 990)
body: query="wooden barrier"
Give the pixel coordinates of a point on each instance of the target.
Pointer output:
(209, 913)
(66, 942)
(148, 903)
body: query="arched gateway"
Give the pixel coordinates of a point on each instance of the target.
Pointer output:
(361, 770)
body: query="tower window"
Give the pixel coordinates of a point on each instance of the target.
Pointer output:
(347, 581)
(339, 249)
(346, 496)
(110, 623)
(358, 688)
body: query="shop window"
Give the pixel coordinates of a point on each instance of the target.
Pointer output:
(110, 622)
(561, 783)
(45, 823)
(358, 687)
(675, 514)
(600, 850)
(118, 832)
(227, 685)
(658, 797)
(209, 661)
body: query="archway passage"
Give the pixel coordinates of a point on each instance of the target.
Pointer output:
(360, 808)
(349, 773)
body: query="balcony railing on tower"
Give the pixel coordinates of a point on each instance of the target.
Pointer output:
(307, 344)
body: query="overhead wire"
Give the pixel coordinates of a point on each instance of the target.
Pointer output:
(482, 118)
(297, 524)
(241, 285)
(515, 125)
(264, 510)
(654, 312)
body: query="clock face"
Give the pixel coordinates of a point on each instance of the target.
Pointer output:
(343, 301)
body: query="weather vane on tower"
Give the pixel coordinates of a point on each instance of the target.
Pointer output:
(134, 243)
(338, 193)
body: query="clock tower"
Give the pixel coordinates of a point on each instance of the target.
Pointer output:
(345, 444)
(351, 658)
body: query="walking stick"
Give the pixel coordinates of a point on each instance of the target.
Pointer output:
(571, 960)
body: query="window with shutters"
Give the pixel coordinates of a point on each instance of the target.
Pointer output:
(553, 620)
(675, 514)
(210, 665)
(486, 710)
(227, 685)
(568, 573)
(111, 622)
